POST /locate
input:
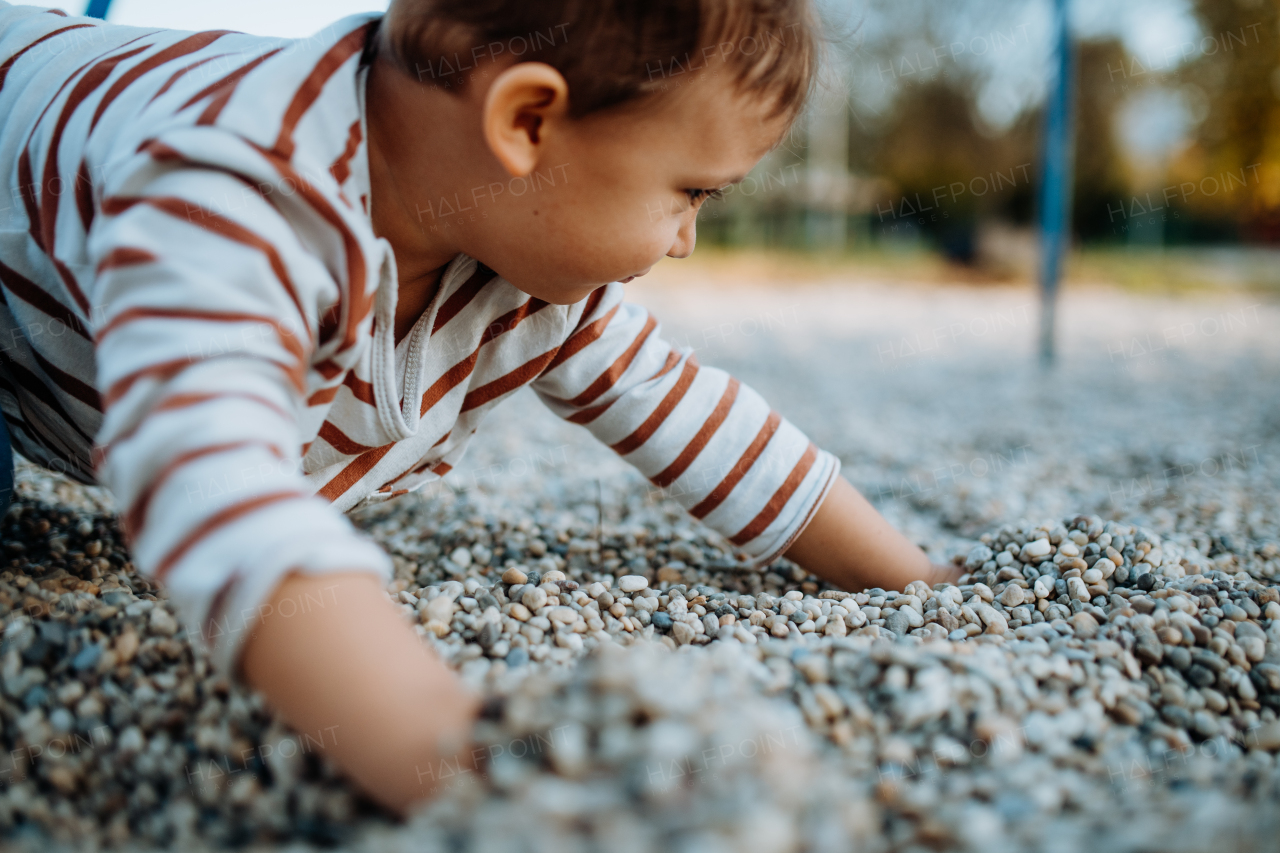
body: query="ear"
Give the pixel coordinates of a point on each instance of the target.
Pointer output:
(525, 103)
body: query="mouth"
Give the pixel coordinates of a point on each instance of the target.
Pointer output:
(632, 277)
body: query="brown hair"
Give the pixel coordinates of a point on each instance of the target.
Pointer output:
(612, 51)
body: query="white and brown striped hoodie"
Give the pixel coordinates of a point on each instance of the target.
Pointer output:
(197, 314)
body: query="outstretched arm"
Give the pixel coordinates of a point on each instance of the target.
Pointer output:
(716, 446)
(851, 545)
(702, 437)
(391, 713)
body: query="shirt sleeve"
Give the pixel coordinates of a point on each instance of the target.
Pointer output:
(696, 432)
(206, 310)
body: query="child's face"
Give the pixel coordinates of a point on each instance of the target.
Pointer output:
(556, 206)
(611, 193)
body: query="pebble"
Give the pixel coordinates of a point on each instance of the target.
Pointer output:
(1012, 596)
(632, 583)
(1084, 625)
(1036, 548)
(958, 705)
(682, 632)
(1234, 613)
(87, 658)
(897, 622)
(162, 622)
(534, 599)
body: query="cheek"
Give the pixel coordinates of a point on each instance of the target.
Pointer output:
(629, 233)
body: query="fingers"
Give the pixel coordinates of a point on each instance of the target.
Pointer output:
(945, 573)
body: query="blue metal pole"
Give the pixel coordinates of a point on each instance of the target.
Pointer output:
(97, 9)
(1056, 179)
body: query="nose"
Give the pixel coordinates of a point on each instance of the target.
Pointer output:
(685, 237)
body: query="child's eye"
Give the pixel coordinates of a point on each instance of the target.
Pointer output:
(697, 195)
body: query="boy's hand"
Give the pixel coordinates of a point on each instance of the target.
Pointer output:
(944, 573)
(347, 669)
(851, 545)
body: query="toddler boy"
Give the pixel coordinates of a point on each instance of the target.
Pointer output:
(251, 283)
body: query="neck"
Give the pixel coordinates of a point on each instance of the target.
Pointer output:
(421, 252)
(392, 177)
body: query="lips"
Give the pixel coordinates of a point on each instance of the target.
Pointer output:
(632, 277)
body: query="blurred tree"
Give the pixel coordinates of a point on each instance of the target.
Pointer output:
(946, 168)
(1100, 181)
(929, 158)
(1238, 71)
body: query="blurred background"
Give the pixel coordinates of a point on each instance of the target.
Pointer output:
(926, 140)
(923, 147)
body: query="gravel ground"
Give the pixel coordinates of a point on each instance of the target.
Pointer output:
(1108, 675)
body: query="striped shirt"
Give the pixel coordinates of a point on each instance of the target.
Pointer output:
(198, 314)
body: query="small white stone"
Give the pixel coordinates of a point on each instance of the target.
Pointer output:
(131, 741)
(461, 556)
(440, 609)
(162, 623)
(645, 603)
(830, 702)
(1076, 589)
(565, 615)
(1085, 625)
(1254, 648)
(632, 583)
(570, 641)
(1012, 595)
(535, 599)
(997, 624)
(1036, 548)
(987, 614)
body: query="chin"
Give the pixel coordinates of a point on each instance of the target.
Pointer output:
(559, 295)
